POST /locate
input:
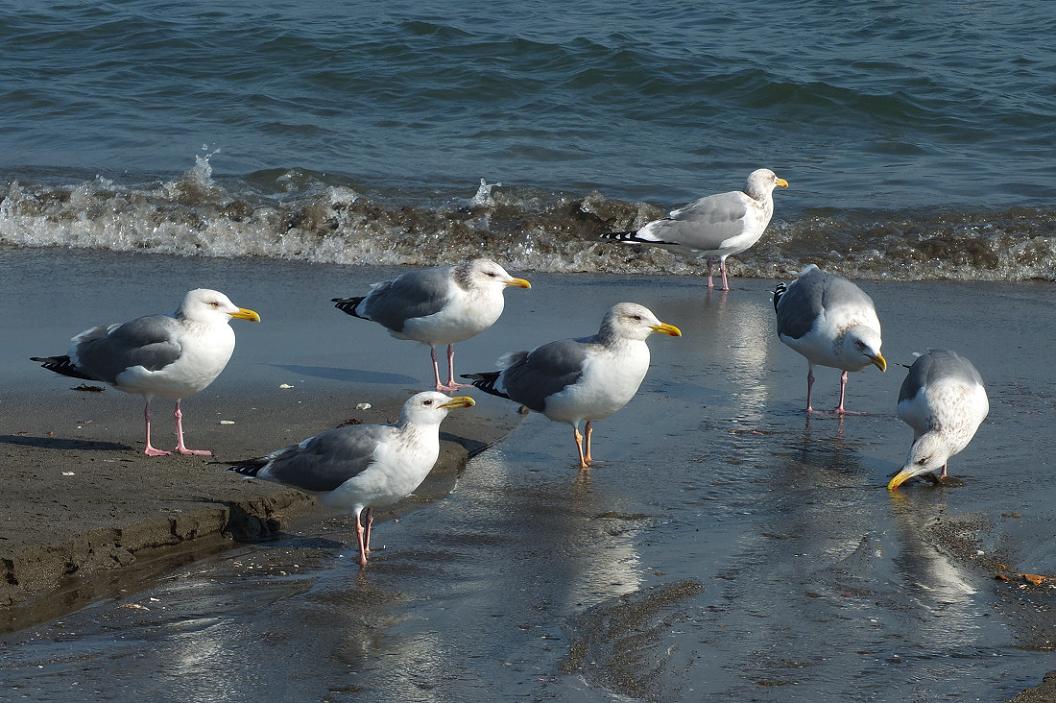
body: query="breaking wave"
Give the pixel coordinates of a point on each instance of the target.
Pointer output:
(301, 215)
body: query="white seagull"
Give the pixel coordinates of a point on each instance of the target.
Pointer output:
(944, 401)
(437, 306)
(363, 466)
(163, 356)
(715, 226)
(580, 379)
(831, 322)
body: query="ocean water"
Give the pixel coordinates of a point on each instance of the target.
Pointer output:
(917, 139)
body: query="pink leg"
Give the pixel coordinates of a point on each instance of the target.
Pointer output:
(436, 370)
(579, 446)
(711, 264)
(150, 450)
(180, 446)
(722, 270)
(452, 385)
(587, 432)
(945, 470)
(370, 526)
(362, 542)
(810, 387)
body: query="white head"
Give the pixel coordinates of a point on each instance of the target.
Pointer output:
(430, 408)
(210, 306)
(487, 275)
(633, 321)
(861, 347)
(761, 183)
(929, 453)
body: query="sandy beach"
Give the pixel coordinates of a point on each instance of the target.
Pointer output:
(725, 547)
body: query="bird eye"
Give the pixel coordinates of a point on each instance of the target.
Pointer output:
(636, 318)
(215, 303)
(924, 461)
(427, 402)
(491, 274)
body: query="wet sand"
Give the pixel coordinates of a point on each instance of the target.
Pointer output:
(725, 547)
(84, 514)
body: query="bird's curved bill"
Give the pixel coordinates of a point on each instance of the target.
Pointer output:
(781, 183)
(879, 362)
(459, 401)
(664, 328)
(246, 314)
(899, 478)
(518, 283)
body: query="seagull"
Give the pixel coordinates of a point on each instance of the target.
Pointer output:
(944, 401)
(831, 322)
(437, 306)
(159, 355)
(716, 226)
(363, 466)
(580, 379)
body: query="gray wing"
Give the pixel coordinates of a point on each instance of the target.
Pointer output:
(325, 461)
(801, 304)
(413, 294)
(937, 365)
(534, 376)
(810, 294)
(705, 223)
(150, 342)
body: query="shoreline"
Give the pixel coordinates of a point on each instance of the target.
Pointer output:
(120, 519)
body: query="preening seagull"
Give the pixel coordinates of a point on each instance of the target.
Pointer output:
(944, 401)
(715, 226)
(580, 379)
(831, 322)
(163, 356)
(363, 466)
(437, 306)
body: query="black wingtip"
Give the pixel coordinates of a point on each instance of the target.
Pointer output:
(349, 305)
(249, 467)
(486, 382)
(629, 237)
(780, 290)
(62, 365)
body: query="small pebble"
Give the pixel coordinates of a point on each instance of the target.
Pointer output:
(227, 422)
(285, 386)
(363, 406)
(68, 473)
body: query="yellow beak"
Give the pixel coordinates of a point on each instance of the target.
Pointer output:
(459, 401)
(246, 314)
(664, 328)
(879, 362)
(781, 183)
(899, 478)
(518, 283)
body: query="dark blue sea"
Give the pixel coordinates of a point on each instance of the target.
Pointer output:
(917, 137)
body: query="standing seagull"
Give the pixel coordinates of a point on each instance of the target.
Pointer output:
(831, 322)
(716, 226)
(363, 466)
(159, 355)
(580, 379)
(437, 306)
(944, 401)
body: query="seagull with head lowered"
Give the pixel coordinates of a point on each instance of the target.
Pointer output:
(163, 356)
(715, 226)
(831, 322)
(359, 467)
(437, 306)
(944, 401)
(573, 380)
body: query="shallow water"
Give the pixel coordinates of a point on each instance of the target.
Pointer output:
(815, 584)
